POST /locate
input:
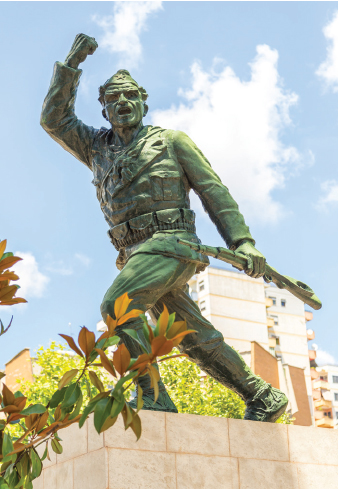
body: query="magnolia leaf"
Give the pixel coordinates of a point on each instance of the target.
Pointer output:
(161, 346)
(106, 363)
(34, 409)
(121, 304)
(177, 327)
(86, 340)
(155, 377)
(67, 377)
(3, 245)
(136, 426)
(11, 302)
(101, 412)
(179, 337)
(162, 323)
(71, 344)
(72, 394)
(134, 313)
(117, 407)
(91, 406)
(127, 414)
(112, 341)
(8, 262)
(7, 444)
(173, 356)
(56, 447)
(44, 455)
(8, 396)
(133, 334)
(123, 381)
(108, 423)
(8, 292)
(121, 359)
(111, 325)
(57, 397)
(171, 320)
(36, 463)
(96, 381)
(76, 411)
(42, 421)
(140, 401)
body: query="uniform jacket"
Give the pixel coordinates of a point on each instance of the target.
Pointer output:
(156, 171)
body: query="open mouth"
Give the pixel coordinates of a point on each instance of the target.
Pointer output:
(124, 110)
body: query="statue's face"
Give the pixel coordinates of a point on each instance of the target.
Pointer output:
(124, 106)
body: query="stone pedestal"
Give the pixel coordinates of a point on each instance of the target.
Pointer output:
(184, 451)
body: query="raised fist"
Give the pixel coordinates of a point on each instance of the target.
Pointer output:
(82, 46)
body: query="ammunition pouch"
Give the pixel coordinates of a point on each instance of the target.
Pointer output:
(142, 227)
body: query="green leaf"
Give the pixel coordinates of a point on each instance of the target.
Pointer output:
(101, 412)
(36, 463)
(45, 453)
(133, 334)
(140, 401)
(71, 396)
(117, 406)
(77, 407)
(67, 377)
(125, 379)
(34, 409)
(96, 381)
(171, 320)
(57, 397)
(18, 394)
(90, 407)
(56, 447)
(145, 328)
(7, 444)
(114, 340)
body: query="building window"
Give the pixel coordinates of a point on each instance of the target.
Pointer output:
(283, 302)
(202, 306)
(277, 339)
(335, 379)
(323, 377)
(276, 322)
(336, 396)
(274, 300)
(201, 286)
(336, 415)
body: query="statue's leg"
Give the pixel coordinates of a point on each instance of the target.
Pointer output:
(146, 278)
(208, 349)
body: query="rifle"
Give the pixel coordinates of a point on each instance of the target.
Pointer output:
(239, 261)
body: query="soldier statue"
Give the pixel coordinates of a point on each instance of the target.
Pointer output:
(143, 176)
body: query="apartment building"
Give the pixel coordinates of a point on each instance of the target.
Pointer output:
(266, 325)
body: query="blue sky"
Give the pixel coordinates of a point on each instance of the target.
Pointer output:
(253, 84)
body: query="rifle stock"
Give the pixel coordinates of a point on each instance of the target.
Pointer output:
(297, 288)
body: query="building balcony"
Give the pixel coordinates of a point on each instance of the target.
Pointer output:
(312, 354)
(314, 374)
(268, 302)
(272, 342)
(316, 394)
(309, 316)
(323, 404)
(324, 423)
(321, 384)
(270, 322)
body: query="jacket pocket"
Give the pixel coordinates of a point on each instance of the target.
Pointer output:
(166, 185)
(141, 222)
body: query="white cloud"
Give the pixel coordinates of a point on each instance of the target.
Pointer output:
(238, 125)
(32, 282)
(122, 30)
(83, 259)
(324, 358)
(59, 267)
(330, 194)
(328, 70)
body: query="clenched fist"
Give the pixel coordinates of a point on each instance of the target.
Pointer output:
(82, 46)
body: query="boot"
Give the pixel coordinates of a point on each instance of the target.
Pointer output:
(224, 364)
(164, 402)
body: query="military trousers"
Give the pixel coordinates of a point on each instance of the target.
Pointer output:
(153, 280)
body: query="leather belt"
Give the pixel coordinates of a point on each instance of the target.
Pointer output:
(144, 226)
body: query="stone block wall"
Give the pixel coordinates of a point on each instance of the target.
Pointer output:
(184, 451)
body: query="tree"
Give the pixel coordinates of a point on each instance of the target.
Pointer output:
(196, 394)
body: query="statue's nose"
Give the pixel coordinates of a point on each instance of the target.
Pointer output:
(122, 99)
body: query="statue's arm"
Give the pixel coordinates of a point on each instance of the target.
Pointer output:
(215, 197)
(57, 116)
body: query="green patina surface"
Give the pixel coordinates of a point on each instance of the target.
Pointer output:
(143, 176)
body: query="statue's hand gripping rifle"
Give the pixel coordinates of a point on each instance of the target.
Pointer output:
(239, 261)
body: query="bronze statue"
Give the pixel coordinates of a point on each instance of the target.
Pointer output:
(143, 176)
